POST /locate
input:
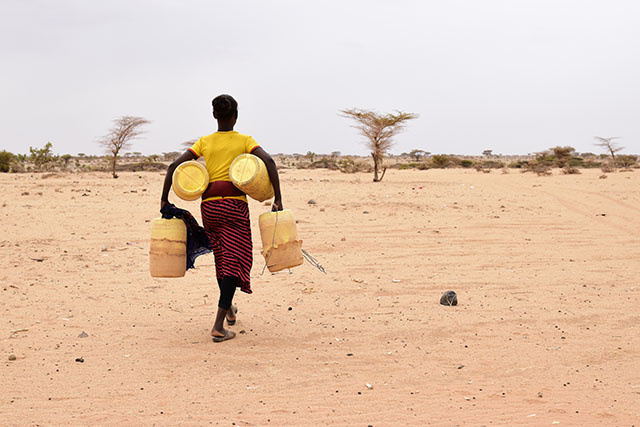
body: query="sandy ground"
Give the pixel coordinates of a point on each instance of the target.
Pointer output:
(547, 331)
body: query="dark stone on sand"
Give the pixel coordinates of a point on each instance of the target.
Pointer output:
(449, 298)
(83, 335)
(80, 359)
(12, 357)
(312, 202)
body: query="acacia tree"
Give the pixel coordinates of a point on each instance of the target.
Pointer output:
(378, 129)
(124, 130)
(609, 145)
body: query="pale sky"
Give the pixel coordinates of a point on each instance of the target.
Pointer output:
(512, 76)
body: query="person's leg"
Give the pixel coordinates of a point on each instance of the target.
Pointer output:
(227, 290)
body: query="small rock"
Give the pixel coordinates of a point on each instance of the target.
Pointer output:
(449, 298)
(365, 212)
(242, 331)
(25, 193)
(344, 239)
(369, 386)
(290, 308)
(349, 354)
(321, 209)
(312, 202)
(12, 357)
(461, 366)
(103, 248)
(80, 359)
(83, 335)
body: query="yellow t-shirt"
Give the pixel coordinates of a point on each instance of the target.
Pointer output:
(219, 150)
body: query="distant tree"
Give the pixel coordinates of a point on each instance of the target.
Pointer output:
(418, 154)
(335, 154)
(487, 153)
(119, 137)
(189, 143)
(562, 155)
(608, 144)
(378, 129)
(42, 158)
(65, 158)
(311, 156)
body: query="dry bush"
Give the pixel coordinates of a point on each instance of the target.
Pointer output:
(607, 168)
(351, 166)
(570, 170)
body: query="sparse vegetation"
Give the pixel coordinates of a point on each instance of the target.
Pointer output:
(6, 159)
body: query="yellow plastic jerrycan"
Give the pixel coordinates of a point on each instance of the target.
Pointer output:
(280, 245)
(168, 249)
(190, 179)
(249, 174)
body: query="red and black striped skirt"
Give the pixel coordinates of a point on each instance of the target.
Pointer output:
(227, 224)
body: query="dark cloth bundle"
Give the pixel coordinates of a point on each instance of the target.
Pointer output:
(197, 240)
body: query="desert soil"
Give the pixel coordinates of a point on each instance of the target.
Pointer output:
(547, 330)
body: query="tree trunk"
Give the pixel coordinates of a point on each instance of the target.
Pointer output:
(113, 167)
(375, 169)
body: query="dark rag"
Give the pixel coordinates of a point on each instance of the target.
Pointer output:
(197, 240)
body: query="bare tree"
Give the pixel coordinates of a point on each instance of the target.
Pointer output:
(124, 129)
(379, 129)
(609, 145)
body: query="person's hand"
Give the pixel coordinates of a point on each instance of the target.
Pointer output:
(277, 206)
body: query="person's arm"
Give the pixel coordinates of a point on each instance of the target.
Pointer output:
(273, 176)
(168, 179)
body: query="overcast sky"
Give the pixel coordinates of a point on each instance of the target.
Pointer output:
(512, 76)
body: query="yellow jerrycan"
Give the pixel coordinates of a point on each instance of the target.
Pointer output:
(190, 179)
(249, 174)
(280, 245)
(168, 249)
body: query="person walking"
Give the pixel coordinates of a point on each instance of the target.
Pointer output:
(224, 208)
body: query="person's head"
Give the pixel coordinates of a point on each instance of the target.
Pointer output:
(225, 108)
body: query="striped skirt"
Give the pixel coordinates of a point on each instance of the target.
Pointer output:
(227, 224)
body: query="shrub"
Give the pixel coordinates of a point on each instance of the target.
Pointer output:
(440, 161)
(626, 160)
(466, 163)
(6, 158)
(492, 164)
(349, 166)
(570, 170)
(42, 158)
(324, 163)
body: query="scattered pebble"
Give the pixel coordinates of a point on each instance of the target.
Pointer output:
(369, 386)
(242, 331)
(12, 357)
(103, 248)
(80, 359)
(83, 335)
(312, 202)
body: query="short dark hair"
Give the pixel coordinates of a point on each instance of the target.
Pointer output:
(224, 106)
